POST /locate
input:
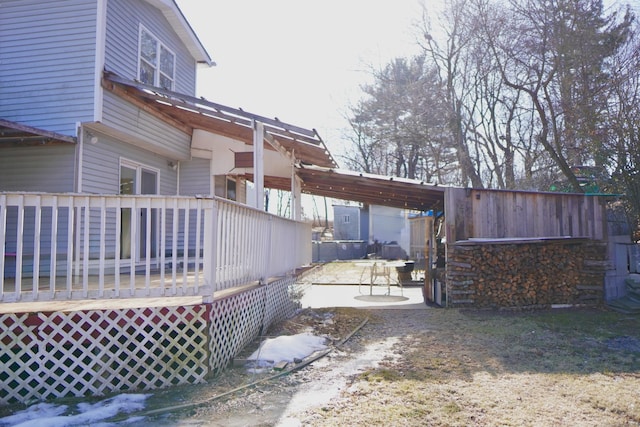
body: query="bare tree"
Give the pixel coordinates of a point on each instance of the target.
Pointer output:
(556, 52)
(508, 95)
(623, 126)
(452, 65)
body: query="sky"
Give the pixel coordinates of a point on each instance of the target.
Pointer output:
(301, 61)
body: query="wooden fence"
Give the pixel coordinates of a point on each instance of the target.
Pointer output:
(494, 214)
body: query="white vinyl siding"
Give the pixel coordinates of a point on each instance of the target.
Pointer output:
(47, 62)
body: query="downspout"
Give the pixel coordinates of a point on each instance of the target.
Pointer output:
(212, 178)
(79, 157)
(101, 40)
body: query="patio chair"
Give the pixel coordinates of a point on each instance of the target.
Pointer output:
(376, 271)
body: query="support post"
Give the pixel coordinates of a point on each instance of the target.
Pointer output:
(429, 283)
(296, 196)
(258, 163)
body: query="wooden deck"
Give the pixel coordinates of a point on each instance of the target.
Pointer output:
(97, 304)
(83, 304)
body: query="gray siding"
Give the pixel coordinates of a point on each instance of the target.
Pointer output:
(101, 166)
(36, 169)
(157, 135)
(47, 169)
(101, 171)
(346, 222)
(121, 54)
(195, 177)
(47, 62)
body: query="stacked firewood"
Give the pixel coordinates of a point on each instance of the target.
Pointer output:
(526, 274)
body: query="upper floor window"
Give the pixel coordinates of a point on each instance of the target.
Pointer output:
(156, 62)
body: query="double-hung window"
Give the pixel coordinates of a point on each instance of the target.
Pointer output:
(156, 64)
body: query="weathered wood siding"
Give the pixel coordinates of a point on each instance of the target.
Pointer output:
(47, 62)
(495, 214)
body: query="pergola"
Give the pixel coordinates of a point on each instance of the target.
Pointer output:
(288, 158)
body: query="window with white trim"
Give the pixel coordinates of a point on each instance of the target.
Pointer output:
(156, 62)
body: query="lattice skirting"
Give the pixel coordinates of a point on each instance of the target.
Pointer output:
(50, 355)
(238, 320)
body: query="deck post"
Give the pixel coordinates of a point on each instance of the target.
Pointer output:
(210, 255)
(296, 196)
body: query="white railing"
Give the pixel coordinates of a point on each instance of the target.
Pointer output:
(70, 246)
(254, 246)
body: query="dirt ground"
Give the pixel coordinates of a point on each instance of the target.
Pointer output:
(398, 362)
(578, 367)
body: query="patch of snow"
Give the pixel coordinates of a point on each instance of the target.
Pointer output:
(335, 379)
(51, 415)
(286, 348)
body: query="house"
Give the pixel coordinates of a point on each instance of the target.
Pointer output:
(386, 227)
(123, 204)
(129, 257)
(109, 108)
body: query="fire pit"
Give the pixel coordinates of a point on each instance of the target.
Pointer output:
(404, 271)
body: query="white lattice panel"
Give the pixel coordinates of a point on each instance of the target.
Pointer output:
(279, 304)
(98, 352)
(238, 320)
(50, 355)
(18, 364)
(235, 321)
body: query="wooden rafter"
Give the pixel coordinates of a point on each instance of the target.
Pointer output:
(199, 113)
(13, 133)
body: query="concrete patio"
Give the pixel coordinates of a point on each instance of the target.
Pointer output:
(348, 284)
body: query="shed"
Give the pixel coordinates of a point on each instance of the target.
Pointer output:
(499, 248)
(496, 248)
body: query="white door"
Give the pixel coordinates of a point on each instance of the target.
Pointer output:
(137, 179)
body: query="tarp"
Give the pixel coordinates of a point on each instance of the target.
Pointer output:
(630, 303)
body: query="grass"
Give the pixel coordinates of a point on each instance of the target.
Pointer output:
(569, 367)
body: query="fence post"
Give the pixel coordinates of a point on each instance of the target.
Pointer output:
(209, 258)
